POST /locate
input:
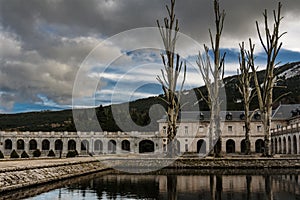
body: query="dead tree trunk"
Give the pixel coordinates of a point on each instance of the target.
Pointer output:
(213, 78)
(271, 46)
(246, 60)
(169, 77)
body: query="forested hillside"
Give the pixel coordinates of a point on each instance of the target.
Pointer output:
(288, 76)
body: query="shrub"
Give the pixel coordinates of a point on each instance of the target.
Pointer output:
(51, 153)
(24, 155)
(1, 155)
(72, 154)
(37, 153)
(14, 154)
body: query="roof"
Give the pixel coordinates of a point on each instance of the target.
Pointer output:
(194, 116)
(283, 112)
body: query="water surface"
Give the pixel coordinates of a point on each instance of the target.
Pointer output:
(175, 184)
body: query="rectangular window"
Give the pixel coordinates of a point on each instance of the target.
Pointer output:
(164, 130)
(186, 130)
(259, 129)
(278, 126)
(201, 129)
(229, 128)
(186, 147)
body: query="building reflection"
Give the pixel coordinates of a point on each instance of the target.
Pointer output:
(174, 185)
(232, 187)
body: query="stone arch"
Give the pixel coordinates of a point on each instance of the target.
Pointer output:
(125, 145)
(289, 145)
(32, 144)
(280, 145)
(201, 146)
(8, 144)
(146, 146)
(98, 146)
(230, 146)
(58, 145)
(295, 144)
(259, 146)
(276, 146)
(20, 144)
(45, 145)
(284, 145)
(112, 146)
(243, 146)
(71, 145)
(84, 146)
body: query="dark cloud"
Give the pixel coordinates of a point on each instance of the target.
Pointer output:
(77, 17)
(43, 42)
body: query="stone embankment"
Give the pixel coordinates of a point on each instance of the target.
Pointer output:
(24, 173)
(206, 163)
(20, 174)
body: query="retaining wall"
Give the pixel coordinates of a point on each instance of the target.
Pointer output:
(25, 176)
(14, 177)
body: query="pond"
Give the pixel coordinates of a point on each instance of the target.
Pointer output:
(172, 184)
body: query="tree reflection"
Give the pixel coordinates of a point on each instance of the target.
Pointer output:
(248, 182)
(268, 187)
(219, 187)
(212, 186)
(172, 187)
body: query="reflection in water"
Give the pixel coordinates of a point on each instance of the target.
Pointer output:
(219, 187)
(180, 184)
(172, 187)
(248, 185)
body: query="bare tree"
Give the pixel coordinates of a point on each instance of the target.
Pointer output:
(245, 76)
(213, 78)
(271, 46)
(169, 76)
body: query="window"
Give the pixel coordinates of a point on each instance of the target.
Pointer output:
(229, 116)
(186, 147)
(201, 129)
(258, 128)
(186, 130)
(164, 130)
(278, 126)
(165, 147)
(229, 128)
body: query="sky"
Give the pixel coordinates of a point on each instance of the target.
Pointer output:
(59, 53)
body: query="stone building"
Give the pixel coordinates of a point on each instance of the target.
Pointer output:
(286, 139)
(193, 131)
(192, 136)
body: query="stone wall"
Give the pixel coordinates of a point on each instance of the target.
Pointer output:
(12, 178)
(15, 178)
(208, 163)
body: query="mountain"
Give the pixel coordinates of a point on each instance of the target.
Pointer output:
(288, 77)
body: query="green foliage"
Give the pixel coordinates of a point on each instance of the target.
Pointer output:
(51, 153)
(24, 155)
(1, 155)
(14, 154)
(72, 154)
(37, 153)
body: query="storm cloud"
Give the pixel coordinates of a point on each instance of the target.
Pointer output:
(43, 43)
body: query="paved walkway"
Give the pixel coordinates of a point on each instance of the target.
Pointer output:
(20, 164)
